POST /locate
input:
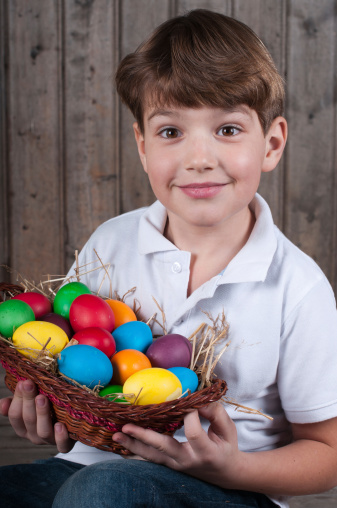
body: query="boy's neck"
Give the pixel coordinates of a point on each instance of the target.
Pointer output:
(211, 249)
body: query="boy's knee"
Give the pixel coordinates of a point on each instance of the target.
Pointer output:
(80, 490)
(98, 485)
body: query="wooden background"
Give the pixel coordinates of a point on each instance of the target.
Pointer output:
(68, 160)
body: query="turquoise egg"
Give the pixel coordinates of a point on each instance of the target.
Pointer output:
(133, 335)
(187, 377)
(86, 365)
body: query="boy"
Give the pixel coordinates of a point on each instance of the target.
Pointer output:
(208, 106)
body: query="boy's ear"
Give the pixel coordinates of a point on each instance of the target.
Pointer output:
(276, 139)
(140, 144)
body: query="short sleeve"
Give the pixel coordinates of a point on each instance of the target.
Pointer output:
(307, 374)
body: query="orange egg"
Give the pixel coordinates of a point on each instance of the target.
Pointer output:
(123, 313)
(127, 362)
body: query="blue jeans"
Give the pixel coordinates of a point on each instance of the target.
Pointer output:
(58, 483)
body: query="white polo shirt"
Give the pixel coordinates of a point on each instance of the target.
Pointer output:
(281, 311)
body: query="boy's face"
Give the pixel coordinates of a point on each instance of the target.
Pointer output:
(205, 164)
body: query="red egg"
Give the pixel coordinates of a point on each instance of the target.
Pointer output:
(60, 321)
(38, 302)
(88, 311)
(98, 338)
(172, 350)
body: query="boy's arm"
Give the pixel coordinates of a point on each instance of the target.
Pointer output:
(307, 465)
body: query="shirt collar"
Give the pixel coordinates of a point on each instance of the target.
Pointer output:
(251, 264)
(151, 228)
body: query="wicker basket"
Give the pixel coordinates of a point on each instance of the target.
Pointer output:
(92, 419)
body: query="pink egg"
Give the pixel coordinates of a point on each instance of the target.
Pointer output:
(97, 337)
(172, 350)
(38, 302)
(87, 311)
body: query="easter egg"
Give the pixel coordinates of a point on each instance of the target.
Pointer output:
(34, 335)
(172, 350)
(91, 310)
(60, 321)
(188, 378)
(97, 337)
(66, 295)
(86, 365)
(14, 313)
(112, 390)
(133, 335)
(152, 386)
(122, 312)
(38, 302)
(127, 362)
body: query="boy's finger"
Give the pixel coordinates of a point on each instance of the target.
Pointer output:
(5, 405)
(221, 424)
(148, 444)
(195, 434)
(15, 411)
(29, 393)
(62, 440)
(44, 425)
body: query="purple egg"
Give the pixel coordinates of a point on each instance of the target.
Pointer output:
(171, 350)
(60, 321)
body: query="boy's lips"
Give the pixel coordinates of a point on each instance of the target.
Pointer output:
(202, 190)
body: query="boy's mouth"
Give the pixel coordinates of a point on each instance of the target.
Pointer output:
(202, 190)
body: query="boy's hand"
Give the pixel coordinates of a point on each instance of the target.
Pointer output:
(212, 456)
(29, 415)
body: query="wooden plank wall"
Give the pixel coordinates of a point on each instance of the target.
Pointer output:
(67, 156)
(68, 160)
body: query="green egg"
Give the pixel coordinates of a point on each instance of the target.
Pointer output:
(111, 389)
(66, 295)
(14, 313)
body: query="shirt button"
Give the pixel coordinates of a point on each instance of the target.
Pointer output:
(176, 267)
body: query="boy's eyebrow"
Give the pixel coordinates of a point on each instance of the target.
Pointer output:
(160, 112)
(167, 112)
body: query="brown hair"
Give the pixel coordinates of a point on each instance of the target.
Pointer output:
(201, 59)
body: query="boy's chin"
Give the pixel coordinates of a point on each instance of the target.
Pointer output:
(203, 221)
(211, 218)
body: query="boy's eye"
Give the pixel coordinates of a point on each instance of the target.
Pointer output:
(170, 133)
(228, 130)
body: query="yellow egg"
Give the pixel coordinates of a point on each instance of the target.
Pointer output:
(152, 386)
(35, 334)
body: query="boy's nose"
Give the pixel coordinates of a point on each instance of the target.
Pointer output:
(200, 156)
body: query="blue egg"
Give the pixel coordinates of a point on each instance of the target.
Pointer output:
(133, 335)
(86, 365)
(187, 377)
